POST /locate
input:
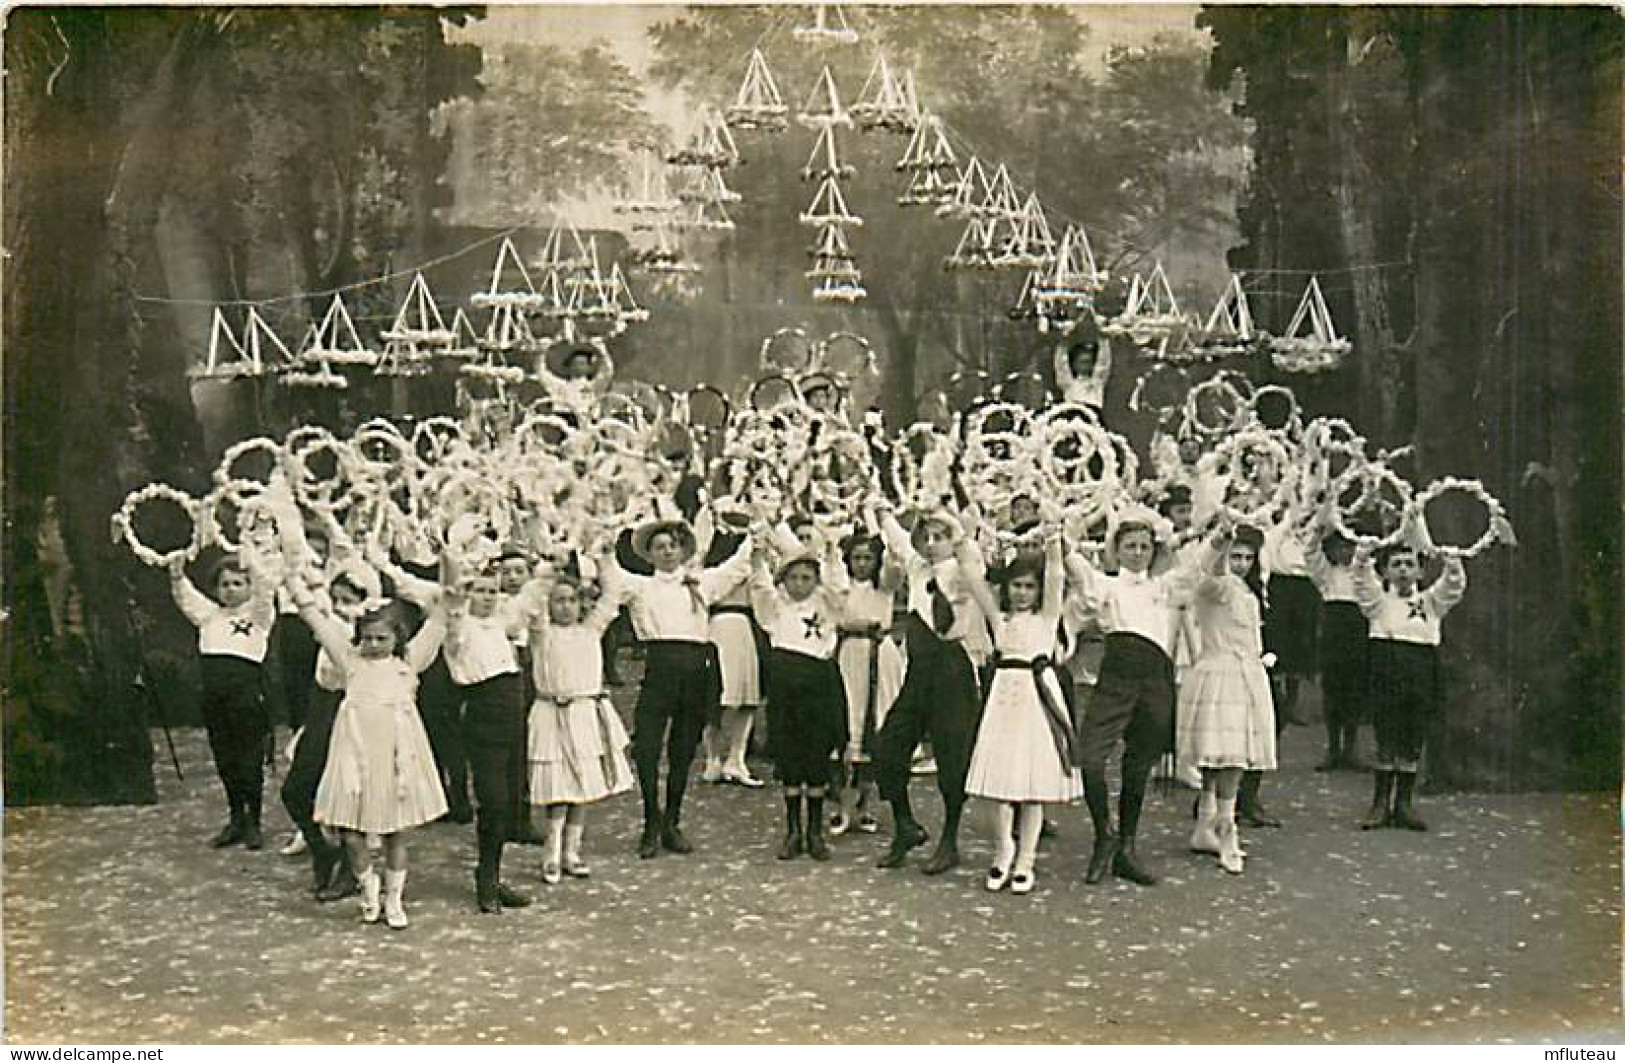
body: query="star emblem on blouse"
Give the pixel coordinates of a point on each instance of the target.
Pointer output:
(1418, 610)
(243, 628)
(812, 627)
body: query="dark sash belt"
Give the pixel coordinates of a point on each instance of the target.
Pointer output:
(873, 635)
(1060, 724)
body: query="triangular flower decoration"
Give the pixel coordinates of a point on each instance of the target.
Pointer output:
(968, 190)
(664, 254)
(418, 320)
(335, 341)
(823, 106)
(885, 103)
(832, 257)
(703, 216)
(706, 186)
(1150, 314)
(976, 245)
(510, 283)
(758, 104)
(1027, 241)
(710, 144)
(825, 161)
(1311, 343)
(829, 207)
(1067, 285)
(227, 358)
(1232, 317)
(653, 195)
(829, 25)
(1001, 200)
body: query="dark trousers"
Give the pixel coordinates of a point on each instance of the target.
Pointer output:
(296, 648)
(939, 699)
(681, 687)
(234, 716)
(1404, 700)
(519, 758)
(440, 704)
(493, 726)
(1344, 677)
(309, 762)
(1132, 701)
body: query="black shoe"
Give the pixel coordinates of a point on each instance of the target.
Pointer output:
(1255, 816)
(814, 843)
(252, 838)
(946, 858)
(1126, 866)
(510, 897)
(792, 845)
(485, 894)
(229, 835)
(908, 835)
(1382, 796)
(526, 834)
(649, 843)
(324, 862)
(1100, 858)
(1404, 817)
(672, 840)
(343, 884)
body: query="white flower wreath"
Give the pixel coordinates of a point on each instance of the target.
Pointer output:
(124, 521)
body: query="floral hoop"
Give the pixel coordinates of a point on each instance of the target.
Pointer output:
(1292, 427)
(246, 497)
(1371, 475)
(438, 433)
(1229, 455)
(1219, 386)
(311, 490)
(1497, 527)
(124, 521)
(226, 471)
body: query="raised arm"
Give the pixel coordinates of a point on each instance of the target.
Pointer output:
(1449, 588)
(331, 635)
(1367, 587)
(716, 582)
(1063, 370)
(764, 596)
(423, 593)
(196, 606)
(1054, 577)
(425, 645)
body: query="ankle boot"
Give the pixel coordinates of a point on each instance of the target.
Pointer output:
(232, 832)
(1405, 787)
(1101, 857)
(812, 830)
(485, 893)
(395, 898)
(792, 827)
(252, 838)
(649, 840)
(1382, 792)
(371, 886)
(1249, 809)
(1126, 865)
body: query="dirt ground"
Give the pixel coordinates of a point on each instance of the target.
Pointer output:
(1503, 923)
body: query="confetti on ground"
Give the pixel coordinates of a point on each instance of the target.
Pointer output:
(121, 924)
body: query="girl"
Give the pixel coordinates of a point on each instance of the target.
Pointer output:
(1083, 363)
(806, 702)
(1404, 662)
(234, 634)
(733, 633)
(1226, 723)
(1023, 757)
(577, 743)
(380, 777)
(871, 670)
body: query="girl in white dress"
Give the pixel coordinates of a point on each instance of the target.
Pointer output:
(1023, 757)
(1226, 720)
(577, 741)
(872, 672)
(380, 777)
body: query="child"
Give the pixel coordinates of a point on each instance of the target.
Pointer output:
(1405, 626)
(1134, 694)
(380, 777)
(233, 636)
(1342, 651)
(671, 614)
(872, 671)
(733, 633)
(1024, 757)
(1083, 363)
(522, 599)
(806, 702)
(577, 743)
(1226, 724)
(939, 696)
(484, 664)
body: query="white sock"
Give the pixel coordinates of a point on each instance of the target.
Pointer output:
(1004, 822)
(555, 839)
(1032, 827)
(1208, 809)
(1226, 809)
(572, 841)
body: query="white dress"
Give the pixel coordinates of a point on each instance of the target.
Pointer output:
(738, 661)
(1226, 718)
(871, 666)
(1016, 758)
(381, 776)
(577, 744)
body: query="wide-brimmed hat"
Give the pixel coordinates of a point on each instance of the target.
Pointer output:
(559, 355)
(664, 524)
